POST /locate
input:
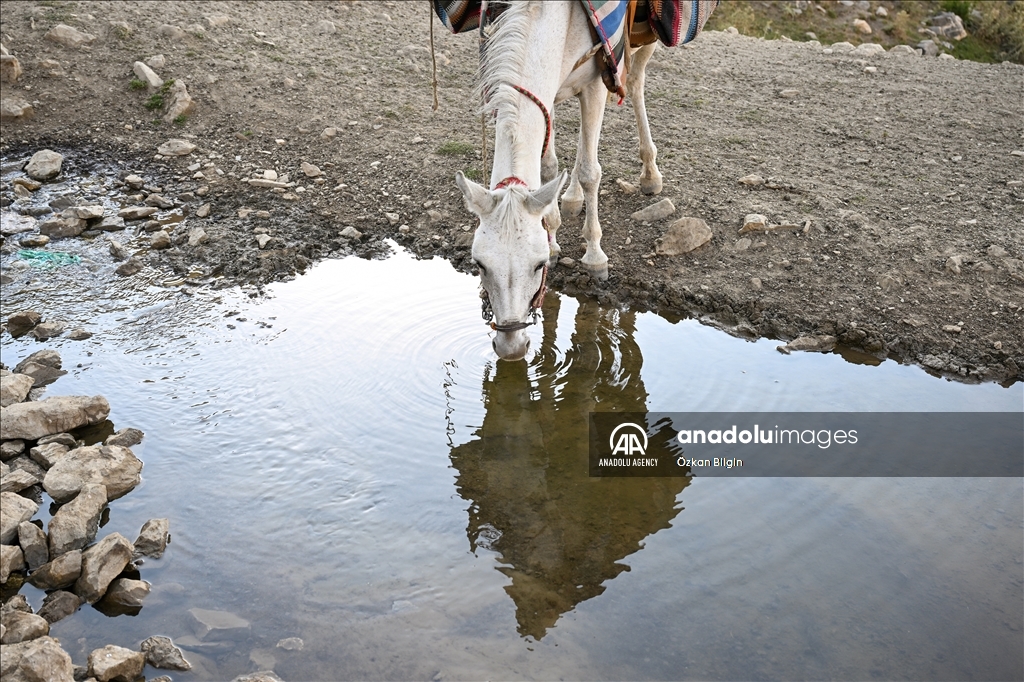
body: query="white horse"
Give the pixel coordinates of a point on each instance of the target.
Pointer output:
(531, 63)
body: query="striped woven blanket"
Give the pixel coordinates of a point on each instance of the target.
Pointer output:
(671, 21)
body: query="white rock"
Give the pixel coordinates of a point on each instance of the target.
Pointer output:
(172, 32)
(869, 49)
(14, 108)
(197, 236)
(69, 37)
(862, 26)
(753, 222)
(218, 20)
(881, 11)
(101, 563)
(14, 388)
(13, 510)
(44, 165)
(38, 659)
(656, 211)
(35, 419)
(180, 103)
(351, 233)
(310, 170)
(176, 147)
(157, 61)
(115, 467)
(218, 626)
(75, 524)
(325, 27)
(147, 75)
(753, 180)
(789, 93)
(89, 212)
(12, 559)
(10, 68)
(116, 663)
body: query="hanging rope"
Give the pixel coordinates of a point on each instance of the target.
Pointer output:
(483, 95)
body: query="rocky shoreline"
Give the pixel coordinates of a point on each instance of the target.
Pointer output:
(43, 462)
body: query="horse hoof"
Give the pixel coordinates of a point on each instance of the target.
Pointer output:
(598, 272)
(651, 185)
(572, 207)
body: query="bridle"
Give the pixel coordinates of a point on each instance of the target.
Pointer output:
(538, 298)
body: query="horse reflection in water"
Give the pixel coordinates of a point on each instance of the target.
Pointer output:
(560, 534)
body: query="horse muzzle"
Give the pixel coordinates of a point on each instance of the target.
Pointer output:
(511, 345)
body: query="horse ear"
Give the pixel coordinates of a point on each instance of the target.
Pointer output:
(478, 199)
(539, 201)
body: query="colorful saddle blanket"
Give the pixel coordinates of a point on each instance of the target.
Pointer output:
(670, 21)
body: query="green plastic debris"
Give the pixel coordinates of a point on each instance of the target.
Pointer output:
(48, 259)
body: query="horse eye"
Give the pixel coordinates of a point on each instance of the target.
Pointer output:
(539, 267)
(483, 270)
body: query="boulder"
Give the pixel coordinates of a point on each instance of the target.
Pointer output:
(59, 605)
(33, 544)
(42, 358)
(162, 654)
(820, 344)
(47, 330)
(44, 165)
(11, 559)
(33, 420)
(60, 572)
(125, 438)
(42, 373)
(10, 449)
(115, 467)
(153, 538)
(22, 627)
(13, 510)
(656, 211)
(22, 321)
(136, 212)
(10, 68)
(101, 563)
(47, 455)
(75, 524)
(176, 147)
(147, 75)
(683, 235)
(116, 664)
(65, 439)
(17, 480)
(180, 103)
(36, 660)
(127, 592)
(14, 388)
(69, 37)
(15, 109)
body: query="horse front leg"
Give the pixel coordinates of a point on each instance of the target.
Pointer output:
(650, 179)
(588, 174)
(553, 218)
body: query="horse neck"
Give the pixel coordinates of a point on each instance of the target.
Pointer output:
(527, 47)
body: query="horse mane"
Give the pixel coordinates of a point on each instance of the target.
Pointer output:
(502, 64)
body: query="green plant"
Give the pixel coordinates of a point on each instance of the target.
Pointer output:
(180, 119)
(136, 84)
(247, 133)
(155, 101)
(961, 8)
(456, 148)
(166, 87)
(474, 174)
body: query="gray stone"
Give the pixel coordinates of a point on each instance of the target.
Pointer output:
(153, 538)
(134, 181)
(115, 467)
(351, 233)
(259, 676)
(79, 334)
(197, 236)
(900, 50)
(69, 37)
(65, 439)
(310, 170)
(751, 180)
(13, 510)
(683, 235)
(14, 109)
(324, 26)
(16, 603)
(116, 664)
(61, 226)
(754, 222)
(159, 201)
(21, 322)
(820, 344)
(14, 388)
(37, 660)
(137, 212)
(15, 223)
(218, 626)
(118, 251)
(44, 165)
(180, 103)
(59, 605)
(928, 48)
(33, 420)
(110, 223)
(262, 240)
(75, 524)
(656, 211)
(101, 563)
(47, 330)
(218, 20)
(127, 592)
(160, 240)
(157, 61)
(47, 455)
(869, 49)
(12, 559)
(171, 31)
(28, 465)
(949, 26)
(203, 211)
(60, 572)
(162, 654)
(147, 75)
(34, 241)
(954, 263)
(125, 438)
(47, 358)
(33, 544)
(996, 251)
(130, 267)
(17, 480)
(10, 449)
(291, 644)
(22, 627)
(176, 147)
(88, 212)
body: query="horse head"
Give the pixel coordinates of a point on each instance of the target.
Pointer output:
(511, 250)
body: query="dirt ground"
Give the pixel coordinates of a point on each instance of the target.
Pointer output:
(906, 173)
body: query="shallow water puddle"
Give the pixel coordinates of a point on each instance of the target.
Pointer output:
(345, 462)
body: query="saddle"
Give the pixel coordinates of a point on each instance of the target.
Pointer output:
(612, 24)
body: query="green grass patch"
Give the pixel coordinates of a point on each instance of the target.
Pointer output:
(136, 84)
(473, 174)
(155, 102)
(180, 119)
(456, 148)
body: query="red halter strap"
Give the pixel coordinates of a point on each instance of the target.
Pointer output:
(510, 180)
(547, 117)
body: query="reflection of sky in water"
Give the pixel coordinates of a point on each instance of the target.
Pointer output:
(351, 466)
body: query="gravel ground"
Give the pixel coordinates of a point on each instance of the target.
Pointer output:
(907, 168)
